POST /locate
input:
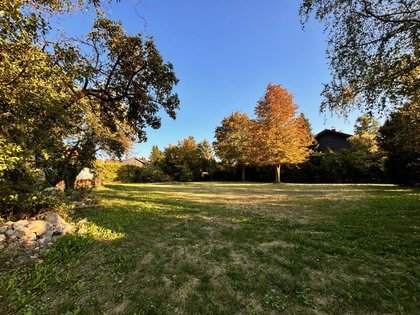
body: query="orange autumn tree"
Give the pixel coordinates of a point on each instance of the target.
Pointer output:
(280, 136)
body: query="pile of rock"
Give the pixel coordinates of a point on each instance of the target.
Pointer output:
(37, 233)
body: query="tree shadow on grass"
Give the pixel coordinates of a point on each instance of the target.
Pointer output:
(157, 255)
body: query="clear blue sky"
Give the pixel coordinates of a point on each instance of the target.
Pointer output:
(224, 54)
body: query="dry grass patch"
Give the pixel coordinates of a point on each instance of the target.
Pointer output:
(231, 248)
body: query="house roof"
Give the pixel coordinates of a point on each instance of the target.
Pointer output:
(332, 131)
(134, 159)
(129, 160)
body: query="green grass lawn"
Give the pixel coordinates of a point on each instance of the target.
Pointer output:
(231, 248)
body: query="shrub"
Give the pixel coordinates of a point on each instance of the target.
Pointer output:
(146, 174)
(151, 174)
(128, 173)
(22, 192)
(106, 172)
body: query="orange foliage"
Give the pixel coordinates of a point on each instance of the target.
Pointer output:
(280, 137)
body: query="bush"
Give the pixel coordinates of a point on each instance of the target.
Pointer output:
(151, 174)
(106, 172)
(128, 173)
(147, 174)
(22, 192)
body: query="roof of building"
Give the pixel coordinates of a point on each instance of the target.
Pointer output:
(134, 160)
(127, 161)
(332, 131)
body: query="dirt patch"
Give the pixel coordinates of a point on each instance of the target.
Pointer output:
(119, 309)
(147, 258)
(186, 289)
(275, 244)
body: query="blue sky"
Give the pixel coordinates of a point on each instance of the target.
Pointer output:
(225, 52)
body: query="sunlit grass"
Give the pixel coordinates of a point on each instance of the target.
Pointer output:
(226, 248)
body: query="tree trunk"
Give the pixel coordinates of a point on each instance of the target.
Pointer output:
(70, 176)
(51, 178)
(243, 173)
(278, 173)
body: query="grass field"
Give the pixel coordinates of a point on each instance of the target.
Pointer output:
(231, 248)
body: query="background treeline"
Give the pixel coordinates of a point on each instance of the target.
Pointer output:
(377, 154)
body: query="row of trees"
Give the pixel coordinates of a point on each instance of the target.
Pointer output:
(276, 136)
(279, 136)
(185, 161)
(388, 153)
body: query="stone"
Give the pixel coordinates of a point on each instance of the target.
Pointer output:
(54, 218)
(2, 238)
(57, 231)
(20, 223)
(20, 228)
(68, 229)
(22, 232)
(10, 232)
(2, 230)
(39, 227)
(30, 243)
(31, 237)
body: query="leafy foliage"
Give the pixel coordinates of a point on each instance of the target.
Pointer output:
(128, 173)
(373, 49)
(146, 174)
(207, 158)
(233, 140)
(21, 186)
(399, 137)
(279, 137)
(106, 171)
(156, 156)
(64, 100)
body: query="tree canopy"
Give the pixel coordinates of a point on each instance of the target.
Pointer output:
(399, 137)
(62, 100)
(233, 139)
(373, 48)
(279, 136)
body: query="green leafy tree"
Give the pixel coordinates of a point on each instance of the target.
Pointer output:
(365, 135)
(182, 161)
(373, 48)
(399, 137)
(364, 156)
(106, 172)
(233, 140)
(64, 101)
(156, 156)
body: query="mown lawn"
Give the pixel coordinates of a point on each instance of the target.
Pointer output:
(231, 248)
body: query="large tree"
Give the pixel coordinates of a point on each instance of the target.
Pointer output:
(182, 161)
(399, 137)
(280, 136)
(373, 48)
(65, 100)
(364, 156)
(156, 156)
(233, 138)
